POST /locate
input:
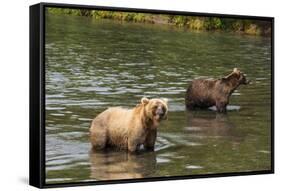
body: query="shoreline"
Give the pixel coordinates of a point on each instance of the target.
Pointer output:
(197, 23)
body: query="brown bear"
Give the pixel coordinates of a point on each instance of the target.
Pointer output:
(128, 129)
(204, 93)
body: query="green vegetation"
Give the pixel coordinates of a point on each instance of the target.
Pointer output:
(66, 11)
(122, 16)
(251, 27)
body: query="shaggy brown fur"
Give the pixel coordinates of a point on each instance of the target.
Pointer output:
(129, 128)
(206, 93)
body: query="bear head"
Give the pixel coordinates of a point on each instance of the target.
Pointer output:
(156, 109)
(238, 76)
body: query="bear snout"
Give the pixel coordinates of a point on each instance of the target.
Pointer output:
(161, 112)
(247, 82)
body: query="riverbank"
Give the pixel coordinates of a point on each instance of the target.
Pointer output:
(244, 26)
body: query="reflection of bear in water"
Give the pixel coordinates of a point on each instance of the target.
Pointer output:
(203, 93)
(212, 125)
(113, 165)
(128, 129)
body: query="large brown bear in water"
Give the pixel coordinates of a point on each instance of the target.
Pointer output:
(204, 93)
(129, 128)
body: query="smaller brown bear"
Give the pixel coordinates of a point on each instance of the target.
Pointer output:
(203, 93)
(128, 129)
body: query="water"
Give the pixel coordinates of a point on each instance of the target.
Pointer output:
(92, 65)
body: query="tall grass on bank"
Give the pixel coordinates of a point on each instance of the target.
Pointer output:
(251, 27)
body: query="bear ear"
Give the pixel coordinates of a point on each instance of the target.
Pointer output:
(144, 100)
(236, 70)
(165, 100)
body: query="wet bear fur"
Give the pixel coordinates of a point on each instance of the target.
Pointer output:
(204, 93)
(128, 129)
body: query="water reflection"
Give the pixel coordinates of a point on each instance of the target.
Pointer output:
(110, 165)
(212, 124)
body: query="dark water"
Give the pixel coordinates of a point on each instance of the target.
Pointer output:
(92, 65)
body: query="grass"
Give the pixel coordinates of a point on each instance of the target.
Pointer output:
(251, 27)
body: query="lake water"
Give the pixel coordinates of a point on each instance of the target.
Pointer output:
(92, 65)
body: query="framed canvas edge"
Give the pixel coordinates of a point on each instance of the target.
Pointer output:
(37, 136)
(35, 108)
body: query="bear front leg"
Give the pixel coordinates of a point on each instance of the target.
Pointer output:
(132, 145)
(150, 140)
(135, 138)
(221, 107)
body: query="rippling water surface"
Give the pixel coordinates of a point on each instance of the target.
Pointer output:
(92, 65)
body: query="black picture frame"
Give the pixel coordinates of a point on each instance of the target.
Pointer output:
(37, 94)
